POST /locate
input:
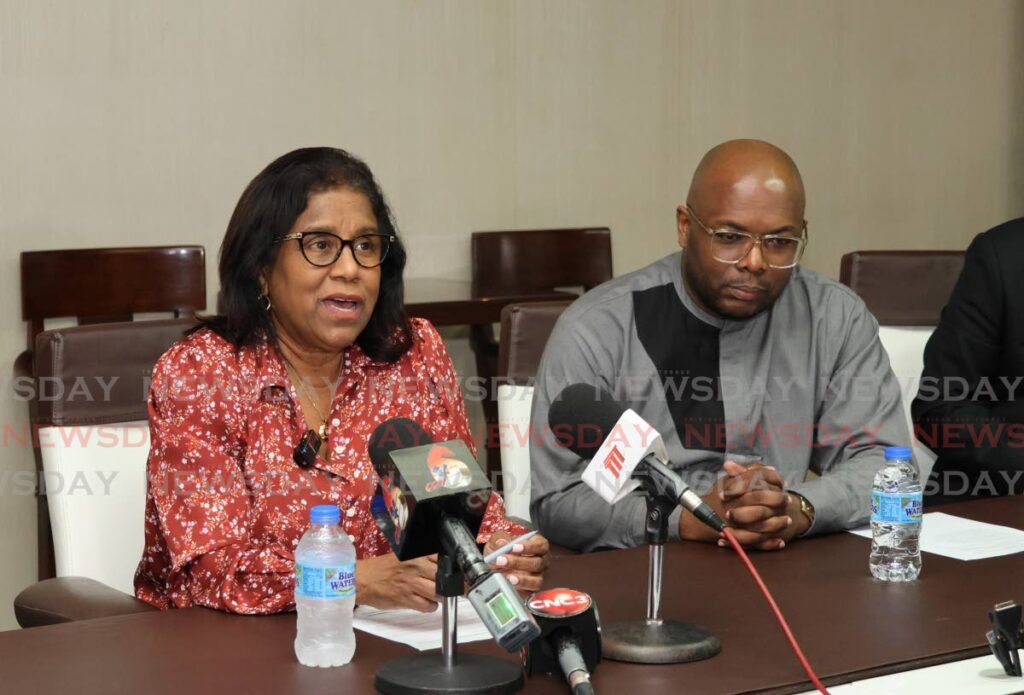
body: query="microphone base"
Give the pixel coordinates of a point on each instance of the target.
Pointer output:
(667, 642)
(426, 674)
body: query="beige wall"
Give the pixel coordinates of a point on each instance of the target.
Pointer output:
(139, 122)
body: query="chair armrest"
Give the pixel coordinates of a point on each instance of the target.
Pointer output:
(69, 599)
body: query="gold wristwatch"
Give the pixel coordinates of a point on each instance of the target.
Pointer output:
(806, 508)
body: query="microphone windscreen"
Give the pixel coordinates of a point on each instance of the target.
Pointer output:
(582, 416)
(391, 435)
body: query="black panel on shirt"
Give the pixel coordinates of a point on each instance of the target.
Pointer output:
(684, 351)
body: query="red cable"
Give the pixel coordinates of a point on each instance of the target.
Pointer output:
(775, 609)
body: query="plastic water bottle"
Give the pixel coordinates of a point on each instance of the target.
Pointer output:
(325, 591)
(896, 518)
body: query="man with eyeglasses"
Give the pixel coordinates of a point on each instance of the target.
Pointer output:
(754, 370)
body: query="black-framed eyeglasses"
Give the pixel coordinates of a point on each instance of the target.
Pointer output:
(731, 246)
(324, 248)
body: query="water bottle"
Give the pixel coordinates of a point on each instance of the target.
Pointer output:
(325, 591)
(896, 518)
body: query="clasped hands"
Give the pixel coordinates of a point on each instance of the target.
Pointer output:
(753, 502)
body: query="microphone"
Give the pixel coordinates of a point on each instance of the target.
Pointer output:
(570, 639)
(619, 442)
(419, 484)
(431, 499)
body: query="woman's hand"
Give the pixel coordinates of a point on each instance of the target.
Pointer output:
(384, 582)
(525, 564)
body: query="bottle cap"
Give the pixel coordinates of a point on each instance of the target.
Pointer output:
(897, 453)
(325, 514)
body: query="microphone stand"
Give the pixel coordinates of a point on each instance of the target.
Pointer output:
(449, 671)
(653, 640)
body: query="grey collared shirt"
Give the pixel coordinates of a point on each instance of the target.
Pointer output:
(804, 386)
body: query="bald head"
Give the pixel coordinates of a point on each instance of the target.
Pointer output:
(743, 192)
(742, 168)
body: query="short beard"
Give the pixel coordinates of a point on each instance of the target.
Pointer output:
(709, 302)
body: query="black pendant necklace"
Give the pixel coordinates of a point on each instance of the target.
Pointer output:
(305, 453)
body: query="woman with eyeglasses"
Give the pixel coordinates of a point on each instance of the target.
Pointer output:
(266, 409)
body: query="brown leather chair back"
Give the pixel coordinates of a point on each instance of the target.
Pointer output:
(516, 263)
(99, 374)
(525, 329)
(520, 262)
(68, 364)
(903, 288)
(107, 285)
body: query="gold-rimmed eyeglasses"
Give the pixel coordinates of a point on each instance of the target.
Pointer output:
(730, 246)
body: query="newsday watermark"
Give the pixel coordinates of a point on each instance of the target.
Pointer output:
(202, 486)
(951, 434)
(697, 435)
(668, 387)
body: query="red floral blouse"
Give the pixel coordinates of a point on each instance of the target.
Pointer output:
(226, 504)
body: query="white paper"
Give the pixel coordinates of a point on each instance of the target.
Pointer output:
(963, 539)
(421, 631)
(979, 676)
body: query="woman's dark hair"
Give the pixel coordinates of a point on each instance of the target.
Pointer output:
(267, 210)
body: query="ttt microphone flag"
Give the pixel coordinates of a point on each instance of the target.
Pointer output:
(610, 471)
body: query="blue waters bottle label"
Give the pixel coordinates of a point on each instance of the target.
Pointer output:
(312, 581)
(896, 507)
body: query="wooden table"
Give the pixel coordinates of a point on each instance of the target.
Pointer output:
(850, 625)
(451, 302)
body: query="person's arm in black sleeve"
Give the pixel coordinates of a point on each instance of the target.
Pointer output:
(954, 414)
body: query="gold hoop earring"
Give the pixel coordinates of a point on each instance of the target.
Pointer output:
(268, 305)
